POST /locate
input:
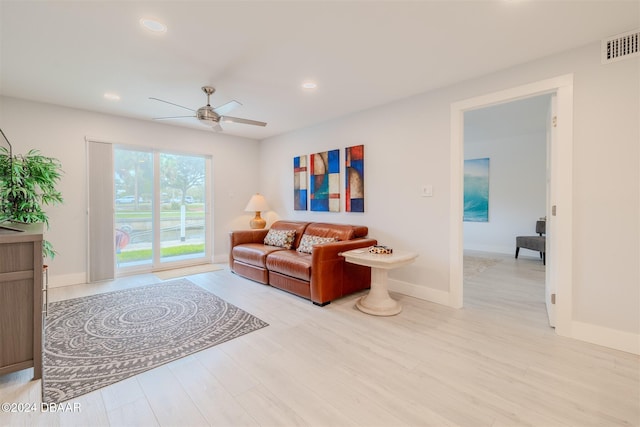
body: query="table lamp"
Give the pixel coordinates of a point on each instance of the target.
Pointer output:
(257, 204)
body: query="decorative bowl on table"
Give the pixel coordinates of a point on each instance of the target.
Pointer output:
(380, 249)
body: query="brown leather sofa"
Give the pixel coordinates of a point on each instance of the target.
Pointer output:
(321, 276)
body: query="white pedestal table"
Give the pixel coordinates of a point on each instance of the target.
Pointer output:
(377, 301)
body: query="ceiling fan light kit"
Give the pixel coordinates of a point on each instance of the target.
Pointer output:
(210, 116)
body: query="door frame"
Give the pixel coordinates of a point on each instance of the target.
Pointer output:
(561, 277)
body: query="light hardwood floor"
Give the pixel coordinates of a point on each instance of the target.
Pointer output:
(494, 363)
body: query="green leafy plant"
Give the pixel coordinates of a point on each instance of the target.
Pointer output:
(27, 184)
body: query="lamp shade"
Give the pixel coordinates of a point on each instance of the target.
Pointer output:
(257, 203)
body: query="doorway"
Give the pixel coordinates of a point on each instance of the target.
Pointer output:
(559, 279)
(505, 188)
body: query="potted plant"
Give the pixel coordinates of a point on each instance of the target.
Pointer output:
(28, 184)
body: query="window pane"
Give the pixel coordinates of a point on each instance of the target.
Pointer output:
(182, 216)
(133, 207)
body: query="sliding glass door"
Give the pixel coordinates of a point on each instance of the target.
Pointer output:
(160, 209)
(182, 198)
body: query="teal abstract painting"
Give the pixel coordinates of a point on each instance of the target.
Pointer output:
(476, 190)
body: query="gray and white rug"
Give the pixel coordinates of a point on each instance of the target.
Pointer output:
(95, 341)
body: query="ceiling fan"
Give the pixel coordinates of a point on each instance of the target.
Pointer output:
(211, 116)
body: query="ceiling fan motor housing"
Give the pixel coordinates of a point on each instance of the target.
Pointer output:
(207, 115)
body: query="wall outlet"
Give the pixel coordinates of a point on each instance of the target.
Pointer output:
(427, 191)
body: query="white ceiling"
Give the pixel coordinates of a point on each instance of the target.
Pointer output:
(362, 53)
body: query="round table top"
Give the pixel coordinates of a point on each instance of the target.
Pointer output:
(388, 261)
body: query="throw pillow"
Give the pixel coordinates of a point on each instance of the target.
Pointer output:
(307, 242)
(280, 238)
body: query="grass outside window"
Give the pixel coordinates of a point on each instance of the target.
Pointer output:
(145, 254)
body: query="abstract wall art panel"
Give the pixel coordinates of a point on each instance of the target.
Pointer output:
(354, 179)
(476, 190)
(300, 183)
(324, 181)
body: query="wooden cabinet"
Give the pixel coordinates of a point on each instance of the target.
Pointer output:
(21, 299)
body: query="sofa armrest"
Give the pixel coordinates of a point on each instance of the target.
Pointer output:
(239, 237)
(327, 268)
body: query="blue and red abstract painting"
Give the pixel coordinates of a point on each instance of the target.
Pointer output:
(324, 181)
(300, 183)
(354, 181)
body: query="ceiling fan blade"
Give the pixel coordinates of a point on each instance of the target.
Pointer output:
(177, 105)
(225, 108)
(216, 127)
(244, 121)
(174, 117)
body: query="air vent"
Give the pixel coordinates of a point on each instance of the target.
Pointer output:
(621, 46)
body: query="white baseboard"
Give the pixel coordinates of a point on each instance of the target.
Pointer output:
(221, 259)
(612, 338)
(421, 292)
(60, 280)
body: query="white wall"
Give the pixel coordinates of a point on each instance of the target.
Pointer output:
(60, 132)
(407, 146)
(517, 190)
(400, 157)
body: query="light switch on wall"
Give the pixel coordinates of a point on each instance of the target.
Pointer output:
(427, 191)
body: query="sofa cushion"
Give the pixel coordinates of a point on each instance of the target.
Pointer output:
(339, 231)
(254, 253)
(280, 238)
(308, 240)
(290, 263)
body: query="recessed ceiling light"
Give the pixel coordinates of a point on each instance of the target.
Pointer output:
(153, 25)
(309, 85)
(112, 96)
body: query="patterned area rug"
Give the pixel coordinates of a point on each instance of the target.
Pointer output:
(95, 341)
(475, 265)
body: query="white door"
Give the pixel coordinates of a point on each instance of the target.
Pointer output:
(551, 246)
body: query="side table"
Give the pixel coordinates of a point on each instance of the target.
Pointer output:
(377, 301)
